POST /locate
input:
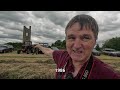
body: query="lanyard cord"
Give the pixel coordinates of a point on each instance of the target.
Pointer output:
(85, 73)
(88, 69)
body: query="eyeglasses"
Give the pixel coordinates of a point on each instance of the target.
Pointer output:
(69, 76)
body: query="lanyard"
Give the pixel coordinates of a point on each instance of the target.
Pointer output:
(88, 69)
(85, 73)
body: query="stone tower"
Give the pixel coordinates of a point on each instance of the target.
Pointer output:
(27, 36)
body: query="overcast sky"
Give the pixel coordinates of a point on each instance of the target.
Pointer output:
(49, 26)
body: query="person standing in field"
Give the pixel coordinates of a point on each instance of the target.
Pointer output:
(77, 61)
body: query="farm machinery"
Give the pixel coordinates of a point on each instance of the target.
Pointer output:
(27, 46)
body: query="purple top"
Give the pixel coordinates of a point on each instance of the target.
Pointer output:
(99, 69)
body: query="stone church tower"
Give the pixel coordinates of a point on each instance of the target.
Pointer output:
(27, 36)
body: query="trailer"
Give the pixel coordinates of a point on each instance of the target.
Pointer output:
(37, 50)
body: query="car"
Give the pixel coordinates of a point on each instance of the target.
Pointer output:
(54, 48)
(96, 53)
(118, 53)
(6, 48)
(107, 51)
(111, 52)
(115, 53)
(3, 49)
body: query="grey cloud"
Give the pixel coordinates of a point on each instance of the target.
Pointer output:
(50, 33)
(11, 25)
(14, 16)
(49, 25)
(8, 36)
(59, 18)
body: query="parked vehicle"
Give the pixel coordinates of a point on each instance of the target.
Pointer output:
(111, 52)
(6, 48)
(115, 53)
(37, 50)
(3, 49)
(44, 45)
(54, 48)
(118, 53)
(96, 53)
(10, 47)
(107, 51)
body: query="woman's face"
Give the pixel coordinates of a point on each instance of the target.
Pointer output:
(79, 43)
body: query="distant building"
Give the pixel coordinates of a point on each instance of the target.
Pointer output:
(27, 36)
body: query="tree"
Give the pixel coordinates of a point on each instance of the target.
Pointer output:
(59, 44)
(113, 43)
(97, 47)
(16, 45)
(63, 45)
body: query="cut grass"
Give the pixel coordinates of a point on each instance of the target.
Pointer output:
(28, 66)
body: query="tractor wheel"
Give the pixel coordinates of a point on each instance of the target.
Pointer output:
(19, 51)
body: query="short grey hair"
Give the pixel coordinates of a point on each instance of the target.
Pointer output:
(84, 21)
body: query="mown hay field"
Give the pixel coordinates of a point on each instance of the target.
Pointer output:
(28, 66)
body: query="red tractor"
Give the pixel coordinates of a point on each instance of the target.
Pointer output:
(26, 48)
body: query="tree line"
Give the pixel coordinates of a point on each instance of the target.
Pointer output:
(113, 43)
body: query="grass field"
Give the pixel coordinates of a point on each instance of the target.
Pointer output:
(28, 66)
